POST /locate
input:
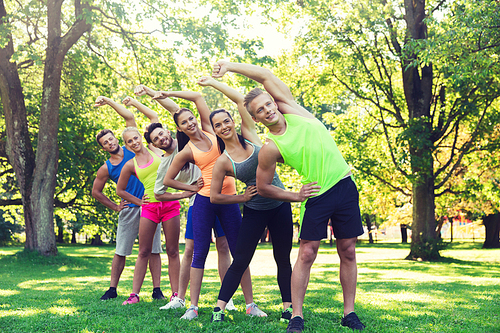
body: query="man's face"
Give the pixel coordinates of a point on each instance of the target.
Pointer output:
(161, 138)
(109, 143)
(264, 110)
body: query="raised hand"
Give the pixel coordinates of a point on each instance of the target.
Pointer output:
(161, 95)
(128, 101)
(141, 90)
(250, 192)
(100, 101)
(205, 81)
(219, 69)
(308, 190)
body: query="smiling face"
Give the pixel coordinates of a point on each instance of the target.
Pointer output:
(133, 140)
(161, 138)
(223, 125)
(264, 110)
(110, 143)
(187, 123)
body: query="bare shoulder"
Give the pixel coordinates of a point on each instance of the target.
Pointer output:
(291, 107)
(269, 153)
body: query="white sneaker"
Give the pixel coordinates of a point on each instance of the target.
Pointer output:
(191, 313)
(253, 310)
(230, 305)
(175, 303)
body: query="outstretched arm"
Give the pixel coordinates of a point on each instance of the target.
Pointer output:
(247, 124)
(269, 155)
(274, 86)
(167, 103)
(121, 110)
(152, 115)
(198, 100)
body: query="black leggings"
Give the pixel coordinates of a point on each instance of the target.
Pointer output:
(280, 225)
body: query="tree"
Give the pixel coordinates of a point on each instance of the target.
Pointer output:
(423, 72)
(35, 42)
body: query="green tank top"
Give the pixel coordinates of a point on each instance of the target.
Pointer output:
(308, 147)
(147, 174)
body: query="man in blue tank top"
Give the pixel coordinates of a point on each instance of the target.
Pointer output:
(298, 139)
(129, 214)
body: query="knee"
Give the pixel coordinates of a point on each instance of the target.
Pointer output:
(222, 245)
(144, 252)
(173, 251)
(308, 254)
(347, 252)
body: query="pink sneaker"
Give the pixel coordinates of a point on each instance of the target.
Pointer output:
(134, 298)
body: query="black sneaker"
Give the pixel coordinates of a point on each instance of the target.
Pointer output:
(217, 315)
(352, 321)
(157, 294)
(296, 324)
(109, 294)
(286, 315)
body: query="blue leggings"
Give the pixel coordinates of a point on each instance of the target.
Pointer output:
(204, 214)
(280, 225)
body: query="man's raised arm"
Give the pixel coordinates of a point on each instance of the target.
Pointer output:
(120, 109)
(167, 103)
(278, 90)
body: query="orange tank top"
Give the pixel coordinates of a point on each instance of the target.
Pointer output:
(205, 160)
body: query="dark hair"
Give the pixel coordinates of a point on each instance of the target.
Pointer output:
(149, 130)
(250, 97)
(101, 134)
(182, 138)
(220, 142)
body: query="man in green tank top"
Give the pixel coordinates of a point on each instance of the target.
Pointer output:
(328, 192)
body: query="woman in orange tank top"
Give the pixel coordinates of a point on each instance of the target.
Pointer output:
(199, 146)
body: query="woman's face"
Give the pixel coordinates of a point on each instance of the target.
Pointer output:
(133, 141)
(223, 125)
(187, 123)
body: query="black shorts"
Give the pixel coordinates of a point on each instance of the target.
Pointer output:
(340, 204)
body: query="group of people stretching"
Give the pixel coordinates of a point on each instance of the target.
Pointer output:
(202, 164)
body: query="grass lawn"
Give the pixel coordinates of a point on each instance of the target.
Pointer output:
(459, 294)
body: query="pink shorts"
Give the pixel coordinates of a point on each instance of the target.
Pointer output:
(160, 211)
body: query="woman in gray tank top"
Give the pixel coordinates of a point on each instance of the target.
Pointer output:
(240, 160)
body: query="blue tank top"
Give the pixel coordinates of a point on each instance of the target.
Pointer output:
(134, 186)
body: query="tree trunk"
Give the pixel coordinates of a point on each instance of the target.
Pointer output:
(492, 227)
(369, 227)
(73, 237)
(18, 147)
(417, 84)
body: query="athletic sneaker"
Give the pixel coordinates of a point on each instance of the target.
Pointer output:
(217, 315)
(174, 295)
(352, 321)
(110, 293)
(230, 305)
(286, 315)
(133, 298)
(191, 313)
(174, 303)
(296, 324)
(157, 294)
(253, 310)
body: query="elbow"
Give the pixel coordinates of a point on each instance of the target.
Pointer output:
(215, 200)
(158, 197)
(263, 191)
(95, 193)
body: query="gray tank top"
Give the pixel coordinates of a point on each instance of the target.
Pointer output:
(246, 170)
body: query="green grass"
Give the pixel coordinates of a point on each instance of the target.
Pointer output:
(61, 294)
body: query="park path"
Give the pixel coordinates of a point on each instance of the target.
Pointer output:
(263, 261)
